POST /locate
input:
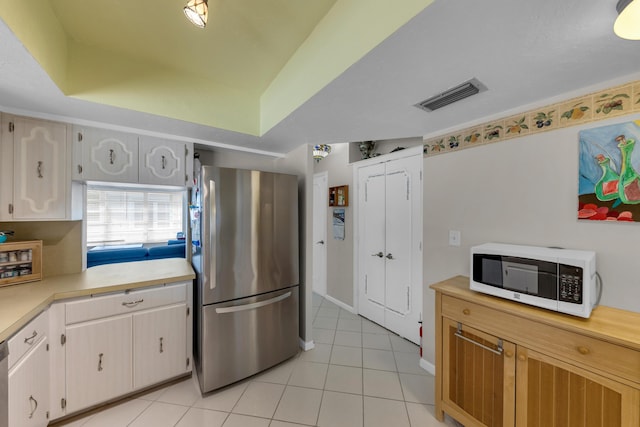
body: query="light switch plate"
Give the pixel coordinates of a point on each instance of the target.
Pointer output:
(454, 238)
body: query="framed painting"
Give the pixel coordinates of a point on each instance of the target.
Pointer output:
(609, 182)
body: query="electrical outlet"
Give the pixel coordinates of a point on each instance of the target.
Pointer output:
(454, 238)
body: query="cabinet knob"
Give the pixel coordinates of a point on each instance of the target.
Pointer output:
(522, 357)
(466, 312)
(508, 353)
(583, 350)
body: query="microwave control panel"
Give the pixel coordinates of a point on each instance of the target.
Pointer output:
(570, 284)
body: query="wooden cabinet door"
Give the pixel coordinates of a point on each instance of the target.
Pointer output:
(98, 361)
(551, 393)
(107, 156)
(478, 376)
(29, 388)
(160, 344)
(161, 162)
(40, 178)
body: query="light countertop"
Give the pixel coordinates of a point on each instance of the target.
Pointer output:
(21, 303)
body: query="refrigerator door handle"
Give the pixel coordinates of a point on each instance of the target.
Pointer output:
(211, 235)
(251, 306)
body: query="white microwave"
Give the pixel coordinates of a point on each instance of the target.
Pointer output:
(562, 280)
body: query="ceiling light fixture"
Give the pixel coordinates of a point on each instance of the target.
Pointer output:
(321, 151)
(197, 11)
(627, 25)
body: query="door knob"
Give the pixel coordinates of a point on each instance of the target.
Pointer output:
(379, 255)
(320, 242)
(389, 256)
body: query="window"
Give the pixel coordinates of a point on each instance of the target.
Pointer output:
(117, 216)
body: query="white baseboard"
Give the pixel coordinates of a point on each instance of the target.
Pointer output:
(340, 304)
(429, 367)
(306, 345)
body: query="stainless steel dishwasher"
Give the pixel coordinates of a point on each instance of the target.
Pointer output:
(4, 384)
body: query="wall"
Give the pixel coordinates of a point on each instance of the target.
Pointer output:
(521, 191)
(339, 252)
(61, 243)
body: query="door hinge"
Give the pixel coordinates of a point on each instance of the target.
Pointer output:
(63, 339)
(79, 136)
(11, 208)
(11, 127)
(188, 363)
(63, 403)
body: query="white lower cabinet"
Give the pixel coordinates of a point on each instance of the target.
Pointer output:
(160, 345)
(98, 365)
(117, 344)
(29, 388)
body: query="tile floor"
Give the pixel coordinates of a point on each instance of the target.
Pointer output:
(358, 374)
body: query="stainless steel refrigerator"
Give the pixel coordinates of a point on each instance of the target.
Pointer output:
(245, 254)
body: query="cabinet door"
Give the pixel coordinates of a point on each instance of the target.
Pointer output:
(108, 156)
(29, 388)
(98, 361)
(161, 162)
(40, 179)
(551, 393)
(478, 376)
(160, 344)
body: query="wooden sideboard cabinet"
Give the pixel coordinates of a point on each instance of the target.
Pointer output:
(503, 364)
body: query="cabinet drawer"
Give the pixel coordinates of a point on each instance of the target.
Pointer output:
(28, 337)
(112, 305)
(567, 346)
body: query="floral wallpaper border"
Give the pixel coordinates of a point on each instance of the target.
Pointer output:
(617, 101)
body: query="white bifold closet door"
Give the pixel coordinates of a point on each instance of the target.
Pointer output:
(390, 244)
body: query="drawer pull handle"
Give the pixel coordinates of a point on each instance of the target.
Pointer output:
(132, 303)
(100, 361)
(29, 340)
(583, 350)
(458, 334)
(466, 312)
(161, 348)
(34, 406)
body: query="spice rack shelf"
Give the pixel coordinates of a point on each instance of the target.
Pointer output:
(339, 196)
(20, 262)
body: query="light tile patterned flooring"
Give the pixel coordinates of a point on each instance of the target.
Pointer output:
(358, 374)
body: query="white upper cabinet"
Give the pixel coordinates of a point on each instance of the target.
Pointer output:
(162, 162)
(35, 162)
(109, 156)
(106, 155)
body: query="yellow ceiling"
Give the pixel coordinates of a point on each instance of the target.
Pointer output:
(254, 63)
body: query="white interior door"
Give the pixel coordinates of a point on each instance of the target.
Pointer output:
(371, 204)
(320, 206)
(403, 292)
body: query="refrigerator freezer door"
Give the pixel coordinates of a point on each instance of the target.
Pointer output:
(243, 337)
(249, 234)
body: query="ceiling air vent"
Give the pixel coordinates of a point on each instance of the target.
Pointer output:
(452, 95)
